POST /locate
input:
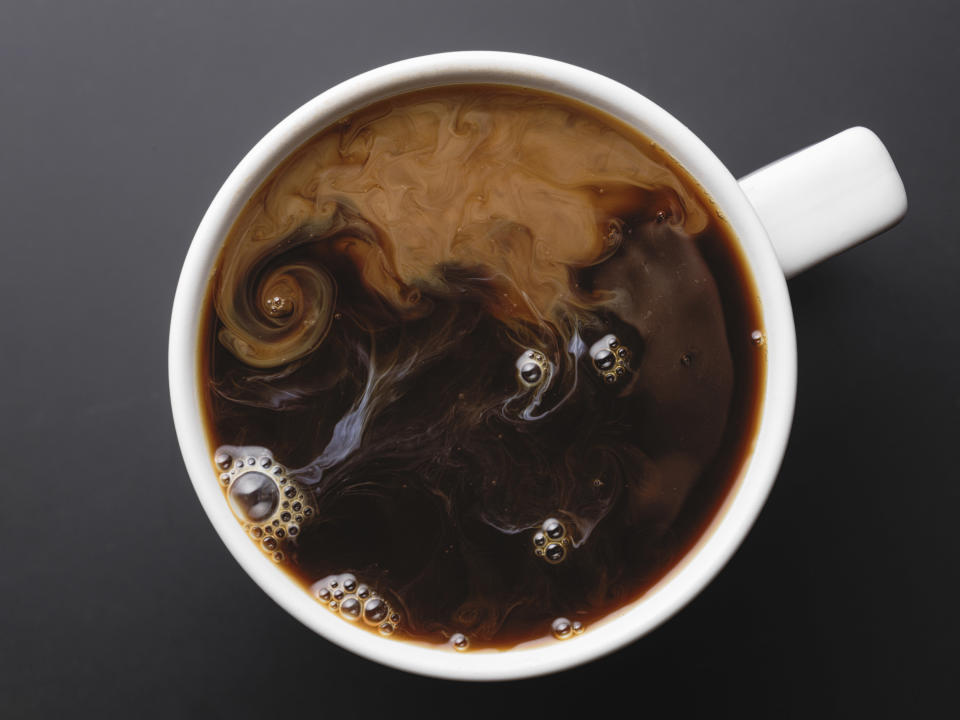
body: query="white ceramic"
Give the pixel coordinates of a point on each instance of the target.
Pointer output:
(801, 210)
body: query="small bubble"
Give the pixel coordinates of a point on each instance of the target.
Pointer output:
(265, 462)
(251, 461)
(577, 627)
(530, 373)
(290, 491)
(267, 529)
(756, 337)
(333, 605)
(225, 478)
(256, 532)
(459, 642)
(610, 378)
(293, 530)
(298, 518)
(338, 316)
(363, 592)
(278, 470)
(553, 528)
(334, 584)
(375, 611)
(270, 543)
(561, 628)
(280, 532)
(350, 608)
(539, 539)
(622, 352)
(285, 516)
(661, 216)
(324, 594)
(349, 583)
(394, 618)
(223, 460)
(614, 235)
(338, 594)
(554, 553)
(297, 506)
(278, 306)
(278, 557)
(307, 512)
(386, 629)
(619, 372)
(686, 359)
(604, 360)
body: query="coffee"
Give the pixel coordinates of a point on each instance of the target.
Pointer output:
(480, 365)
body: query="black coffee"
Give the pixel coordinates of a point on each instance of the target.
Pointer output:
(480, 366)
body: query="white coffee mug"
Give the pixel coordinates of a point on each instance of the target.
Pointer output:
(787, 217)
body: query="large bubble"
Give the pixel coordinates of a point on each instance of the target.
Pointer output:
(253, 496)
(271, 506)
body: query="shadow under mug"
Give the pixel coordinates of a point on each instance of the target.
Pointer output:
(787, 217)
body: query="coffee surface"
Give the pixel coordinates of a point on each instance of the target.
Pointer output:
(480, 365)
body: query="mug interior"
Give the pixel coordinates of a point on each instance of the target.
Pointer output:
(732, 521)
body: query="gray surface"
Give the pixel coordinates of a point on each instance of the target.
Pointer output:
(118, 122)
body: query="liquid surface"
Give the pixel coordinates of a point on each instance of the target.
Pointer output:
(485, 357)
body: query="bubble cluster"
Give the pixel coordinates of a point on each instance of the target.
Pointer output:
(562, 628)
(356, 602)
(611, 358)
(271, 507)
(278, 306)
(532, 368)
(551, 541)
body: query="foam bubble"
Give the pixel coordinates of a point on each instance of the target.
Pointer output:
(259, 495)
(561, 628)
(355, 600)
(350, 608)
(554, 529)
(533, 368)
(375, 611)
(253, 496)
(554, 553)
(551, 541)
(610, 357)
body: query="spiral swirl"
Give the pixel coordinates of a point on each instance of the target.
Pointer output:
(277, 304)
(288, 317)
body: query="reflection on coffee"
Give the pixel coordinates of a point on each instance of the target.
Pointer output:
(480, 365)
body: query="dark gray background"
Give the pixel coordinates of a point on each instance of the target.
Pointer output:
(119, 121)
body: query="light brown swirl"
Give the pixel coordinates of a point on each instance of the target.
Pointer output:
(519, 188)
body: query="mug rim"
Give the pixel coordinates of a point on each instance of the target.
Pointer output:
(742, 505)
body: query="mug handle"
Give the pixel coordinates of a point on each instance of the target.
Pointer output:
(827, 198)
